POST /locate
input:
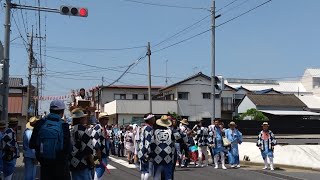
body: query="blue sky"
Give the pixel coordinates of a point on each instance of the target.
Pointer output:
(277, 40)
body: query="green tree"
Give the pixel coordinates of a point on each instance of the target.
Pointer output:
(254, 114)
(174, 115)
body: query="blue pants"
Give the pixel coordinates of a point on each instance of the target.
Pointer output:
(166, 169)
(100, 169)
(82, 174)
(30, 169)
(9, 167)
(146, 167)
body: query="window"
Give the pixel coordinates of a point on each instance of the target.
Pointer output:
(183, 95)
(122, 96)
(227, 104)
(145, 97)
(169, 97)
(119, 96)
(135, 96)
(206, 95)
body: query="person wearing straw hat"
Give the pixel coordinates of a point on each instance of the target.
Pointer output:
(30, 161)
(99, 144)
(82, 148)
(163, 148)
(235, 137)
(10, 148)
(184, 129)
(2, 129)
(266, 142)
(144, 152)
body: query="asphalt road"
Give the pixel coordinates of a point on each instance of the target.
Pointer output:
(121, 171)
(291, 141)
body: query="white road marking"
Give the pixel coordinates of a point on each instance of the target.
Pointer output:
(111, 167)
(123, 163)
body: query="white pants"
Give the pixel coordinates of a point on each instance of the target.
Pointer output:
(203, 150)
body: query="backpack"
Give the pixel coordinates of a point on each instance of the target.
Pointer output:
(50, 139)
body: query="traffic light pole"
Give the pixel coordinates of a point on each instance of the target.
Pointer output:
(213, 60)
(6, 61)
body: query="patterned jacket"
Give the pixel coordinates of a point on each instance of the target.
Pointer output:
(99, 139)
(82, 147)
(9, 140)
(163, 145)
(146, 135)
(202, 137)
(271, 141)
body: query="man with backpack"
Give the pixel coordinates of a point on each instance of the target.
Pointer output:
(51, 140)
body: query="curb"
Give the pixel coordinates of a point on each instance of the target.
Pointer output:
(281, 166)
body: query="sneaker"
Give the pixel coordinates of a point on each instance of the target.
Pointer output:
(182, 166)
(224, 167)
(265, 168)
(238, 166)
(232, 166)
(272, 169)
(216, 167)
(198, 165)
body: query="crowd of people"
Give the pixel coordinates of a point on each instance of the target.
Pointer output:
(79, 150)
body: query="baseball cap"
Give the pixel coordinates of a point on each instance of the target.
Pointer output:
(57, 105)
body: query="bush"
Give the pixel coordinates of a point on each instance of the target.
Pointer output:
(254, 114)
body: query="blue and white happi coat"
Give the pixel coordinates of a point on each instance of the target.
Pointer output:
(266, 145)
(235, 137)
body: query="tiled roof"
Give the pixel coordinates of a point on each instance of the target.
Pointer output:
(276, 100)
(15, 82)
(133, 87)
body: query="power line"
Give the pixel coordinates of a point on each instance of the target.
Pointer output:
(243, 13)
(166, 5)
(181, 31)
(184, 40)
(23, 40)
(227, 5)
(236, 6)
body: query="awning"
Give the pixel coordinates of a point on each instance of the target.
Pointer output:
(290, 113)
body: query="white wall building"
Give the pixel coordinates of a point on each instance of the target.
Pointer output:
(194, 98)
(311, 80)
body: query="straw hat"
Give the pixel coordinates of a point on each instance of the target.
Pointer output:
(78, 113)
(184, 121)
(103, 115)
(232, 124)
(31, 120)
(2, 125)
(164, 121)
(265, 124)
(13, 121)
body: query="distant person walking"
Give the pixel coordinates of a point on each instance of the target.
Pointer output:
(10, 149)
(235, 137)
(266, 142)
(218, 148)
(202, 139)
(30, 160)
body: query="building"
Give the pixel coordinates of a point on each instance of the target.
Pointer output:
(276, 106)
(128, 104)
(194, 98)
(312, 102)
(311, 80)
(17, 104)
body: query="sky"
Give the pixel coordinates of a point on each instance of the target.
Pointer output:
(277, 40)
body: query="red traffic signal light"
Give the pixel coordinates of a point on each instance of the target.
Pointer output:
(73, 11)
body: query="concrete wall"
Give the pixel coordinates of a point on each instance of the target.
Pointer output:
(245, 105)
(307, 81)
(140, 107)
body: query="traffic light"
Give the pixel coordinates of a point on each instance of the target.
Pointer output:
(74, 11)
(219, 83)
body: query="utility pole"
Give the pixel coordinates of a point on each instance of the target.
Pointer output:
(167, 72)
(6, 61)
(29, 74)
(213, 60)
(101, 90)
(149, 76)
